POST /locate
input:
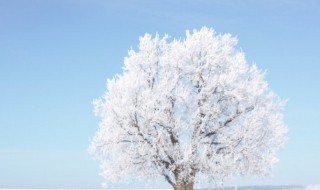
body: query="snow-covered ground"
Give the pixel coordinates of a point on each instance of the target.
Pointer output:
(309, 187)
(266, 188)
(313, 187)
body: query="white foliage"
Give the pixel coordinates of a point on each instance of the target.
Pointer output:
(188, 110)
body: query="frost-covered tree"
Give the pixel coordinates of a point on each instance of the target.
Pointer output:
(188, 110)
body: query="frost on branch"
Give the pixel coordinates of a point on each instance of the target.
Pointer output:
(189, 111)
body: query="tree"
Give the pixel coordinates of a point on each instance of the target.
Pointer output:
(190, 111)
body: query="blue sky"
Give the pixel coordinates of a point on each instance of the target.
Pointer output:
(55, 57)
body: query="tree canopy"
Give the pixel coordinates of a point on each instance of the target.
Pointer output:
(190, 111)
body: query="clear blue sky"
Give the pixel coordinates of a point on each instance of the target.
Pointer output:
(55, 57)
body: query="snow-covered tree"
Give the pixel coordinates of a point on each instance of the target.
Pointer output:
(188, 110)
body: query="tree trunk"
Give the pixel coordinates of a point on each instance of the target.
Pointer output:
(183, 186)
(180, 182)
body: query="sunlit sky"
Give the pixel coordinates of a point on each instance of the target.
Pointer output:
(55, 57)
